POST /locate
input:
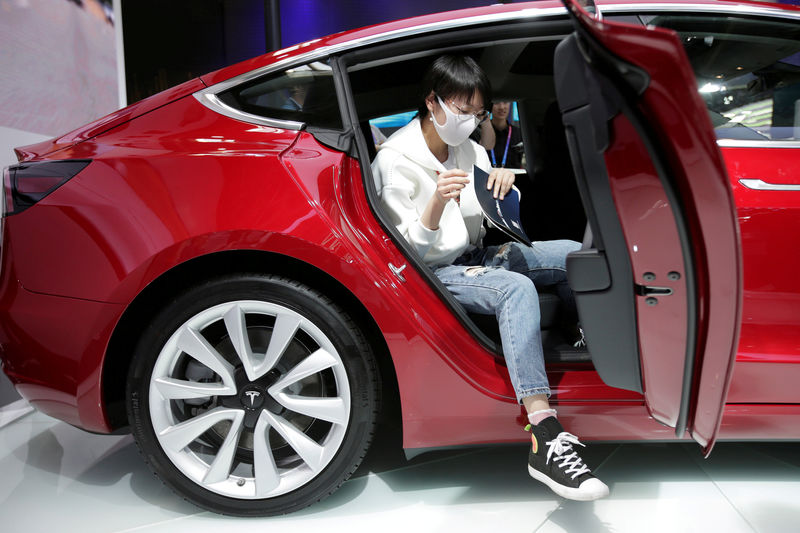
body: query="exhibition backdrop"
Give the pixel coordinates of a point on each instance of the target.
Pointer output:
(58, 64)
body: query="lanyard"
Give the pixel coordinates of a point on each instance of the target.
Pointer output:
(505, 152)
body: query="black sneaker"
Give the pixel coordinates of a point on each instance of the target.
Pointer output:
(554, 462)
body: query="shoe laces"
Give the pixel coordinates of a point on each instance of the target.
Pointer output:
(580, 343)
(571, 462)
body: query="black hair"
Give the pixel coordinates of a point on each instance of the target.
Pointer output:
(455, 75)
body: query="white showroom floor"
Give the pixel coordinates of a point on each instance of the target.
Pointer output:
(55, 478)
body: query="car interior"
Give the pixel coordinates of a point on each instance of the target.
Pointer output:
(520, 70)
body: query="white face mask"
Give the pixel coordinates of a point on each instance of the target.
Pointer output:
(456, 129)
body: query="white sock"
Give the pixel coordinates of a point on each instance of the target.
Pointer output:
(537, 416)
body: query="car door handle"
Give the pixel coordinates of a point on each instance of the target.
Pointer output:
(761, 185)
(398, 271)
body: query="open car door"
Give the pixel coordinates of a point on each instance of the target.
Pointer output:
(658, 287)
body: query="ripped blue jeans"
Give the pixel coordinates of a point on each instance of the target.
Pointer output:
(501, 280)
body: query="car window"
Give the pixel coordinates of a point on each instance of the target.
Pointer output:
(747, 71)
(302, 94)
(383, 127)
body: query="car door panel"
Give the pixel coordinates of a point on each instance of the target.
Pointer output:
(639, 133)
(652, 236)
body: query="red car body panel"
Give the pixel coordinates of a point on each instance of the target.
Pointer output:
(53, 348)
(181, 203)
(770, 336)
(111, 120)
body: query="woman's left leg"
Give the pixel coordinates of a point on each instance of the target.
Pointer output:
(512, 298)
(551, 446)
(545, 263)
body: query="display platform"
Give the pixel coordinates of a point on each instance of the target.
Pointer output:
(58, 478)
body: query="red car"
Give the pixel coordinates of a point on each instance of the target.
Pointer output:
(208, 269)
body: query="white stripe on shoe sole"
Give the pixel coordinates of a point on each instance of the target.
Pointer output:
(584, 493)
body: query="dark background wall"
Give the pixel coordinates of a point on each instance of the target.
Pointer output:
(303, 20)
(167, 43)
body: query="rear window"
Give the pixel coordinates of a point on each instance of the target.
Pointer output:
(302, 94)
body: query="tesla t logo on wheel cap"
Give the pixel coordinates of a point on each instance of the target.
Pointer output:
(252, 394)
(252, 398)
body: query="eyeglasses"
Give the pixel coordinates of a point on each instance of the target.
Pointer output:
(465, 114)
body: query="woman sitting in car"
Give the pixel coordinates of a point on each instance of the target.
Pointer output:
(424, 171)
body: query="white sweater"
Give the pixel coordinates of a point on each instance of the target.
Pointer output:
(405, 173)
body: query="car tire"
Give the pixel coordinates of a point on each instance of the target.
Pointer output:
(253, 395)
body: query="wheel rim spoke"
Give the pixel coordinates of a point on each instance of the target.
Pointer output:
(221, 467)
(237, 330)
(314, 363)
(179, 436)
(332, 410)
(308, 450)
(179, 389)
(265, 470)
(256, 365)
(283, 332)
(194, 344)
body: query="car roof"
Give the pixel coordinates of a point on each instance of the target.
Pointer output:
(355, 38)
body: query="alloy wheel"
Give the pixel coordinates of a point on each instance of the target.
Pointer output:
(249, 399)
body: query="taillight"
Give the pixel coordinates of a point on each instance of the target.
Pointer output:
(26, 184)
(4, 199)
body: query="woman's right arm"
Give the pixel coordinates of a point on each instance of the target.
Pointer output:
(401, 184)
(448, 186)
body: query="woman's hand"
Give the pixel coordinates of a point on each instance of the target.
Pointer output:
(501, 179)
(449, 184)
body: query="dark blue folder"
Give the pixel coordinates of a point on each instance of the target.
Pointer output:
(504, 213)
